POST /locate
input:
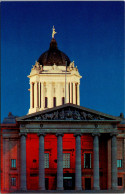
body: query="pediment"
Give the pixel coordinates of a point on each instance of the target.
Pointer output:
(68, 112)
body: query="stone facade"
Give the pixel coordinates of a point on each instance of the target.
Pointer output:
(29, 138)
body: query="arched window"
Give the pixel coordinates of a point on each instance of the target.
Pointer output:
(54, 101)
(46, 102)
(32, 95)
(63, 100)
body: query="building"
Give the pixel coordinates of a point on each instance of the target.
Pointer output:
(59, 144)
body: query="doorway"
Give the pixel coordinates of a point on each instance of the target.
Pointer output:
(67, 183)
(87, 183)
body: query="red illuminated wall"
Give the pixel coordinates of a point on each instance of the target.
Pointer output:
(32, 149)
(12, 150)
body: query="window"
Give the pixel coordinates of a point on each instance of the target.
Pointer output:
(63, 100)
(13, 181)
(66, 160)
(34, 164)
(119, 181)
(46, 102)
(13, 163)
(87, 160)
(46, 160)
(119, 163)
(54, 101)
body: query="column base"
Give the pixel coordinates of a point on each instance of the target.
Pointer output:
(78, 188)
(42, 189)
(60, 188)
(97, 188)
(115, 188)
(23, 189)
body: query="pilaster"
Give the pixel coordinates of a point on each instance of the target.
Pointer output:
(59, 161)
(78, 175)
(23, 185)
(41, 162)
(96, 161)
(114, 160)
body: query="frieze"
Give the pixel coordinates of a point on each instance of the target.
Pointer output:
(67, 114)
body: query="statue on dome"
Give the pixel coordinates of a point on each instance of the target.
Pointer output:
(53, 32)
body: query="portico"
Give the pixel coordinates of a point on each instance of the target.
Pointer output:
(72, 122)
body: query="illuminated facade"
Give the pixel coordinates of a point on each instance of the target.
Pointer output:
(59, 144)
(54, 80)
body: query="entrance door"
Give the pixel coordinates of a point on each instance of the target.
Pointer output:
(87, 183)
(67, 183)
(46, 183)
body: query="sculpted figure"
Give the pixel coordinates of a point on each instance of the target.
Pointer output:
(89, 116)
(53, 32)
(69, 114)
(84, 115)
(55, 115)
(62, 115)
(76, 115)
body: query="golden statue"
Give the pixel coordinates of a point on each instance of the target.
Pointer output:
(53, 32)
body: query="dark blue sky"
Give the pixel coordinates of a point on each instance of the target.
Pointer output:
(90, 33)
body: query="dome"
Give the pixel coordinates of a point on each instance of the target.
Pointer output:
(53, 55)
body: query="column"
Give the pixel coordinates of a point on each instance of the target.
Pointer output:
(23, 162)
(59, 162)
(37, 94)
(114, 161)
(76, 86)
(41, 162)
(71, 93)
(78, 95)
(96, 161)
(78, 174)
(67, 93)
(74, 93)
(31, 98)
(42, 96)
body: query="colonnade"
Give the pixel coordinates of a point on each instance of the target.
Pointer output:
(78, 170)
(40, 90)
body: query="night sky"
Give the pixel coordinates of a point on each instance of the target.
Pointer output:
(90, 33)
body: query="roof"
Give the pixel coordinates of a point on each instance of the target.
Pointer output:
(69, 112)
(54, 56)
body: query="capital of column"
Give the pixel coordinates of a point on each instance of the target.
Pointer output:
(22, 134)
(41, 134)
(77, 134)
(59, 134)
(96, 134)
(113, 134)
